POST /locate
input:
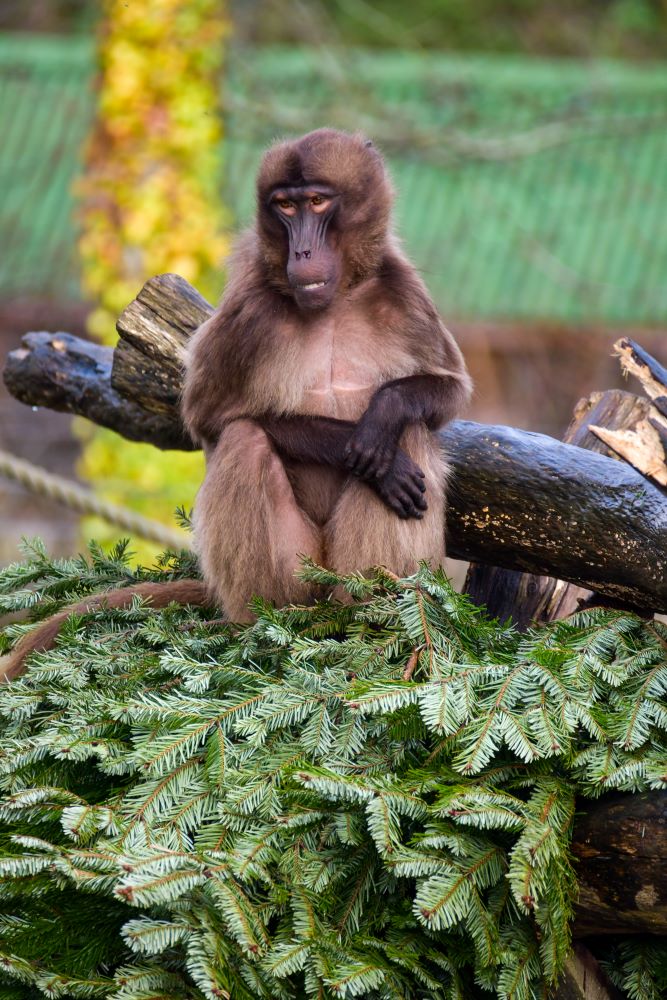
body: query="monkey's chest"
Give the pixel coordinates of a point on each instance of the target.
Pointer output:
(342, 368)
(334, 398)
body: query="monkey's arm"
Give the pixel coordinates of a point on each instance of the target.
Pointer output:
(323, 441)
(430, 399)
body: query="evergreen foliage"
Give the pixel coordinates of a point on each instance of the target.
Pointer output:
(372, 799)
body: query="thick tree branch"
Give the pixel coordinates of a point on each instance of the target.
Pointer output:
(71, 375)
(528, 502)
(518, 500)
(525, 597)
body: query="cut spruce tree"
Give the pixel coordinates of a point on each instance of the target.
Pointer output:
(366, 800)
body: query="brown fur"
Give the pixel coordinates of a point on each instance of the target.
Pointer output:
(261, 357)
(44, 636)
(377, 350)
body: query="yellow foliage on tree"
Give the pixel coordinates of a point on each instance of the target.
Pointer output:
(150, 203)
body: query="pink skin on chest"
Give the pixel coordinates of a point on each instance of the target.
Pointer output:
(343, 364)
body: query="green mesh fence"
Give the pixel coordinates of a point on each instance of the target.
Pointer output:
(526, 189)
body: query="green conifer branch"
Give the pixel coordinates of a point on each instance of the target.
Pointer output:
(196, 810)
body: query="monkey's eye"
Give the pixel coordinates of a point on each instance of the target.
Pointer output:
(318, 202)
(286, 207)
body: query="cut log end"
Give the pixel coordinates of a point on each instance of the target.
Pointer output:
(642, 447)
(584, 979)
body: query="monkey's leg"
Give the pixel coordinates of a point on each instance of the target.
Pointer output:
(363, 532)
(248, 526)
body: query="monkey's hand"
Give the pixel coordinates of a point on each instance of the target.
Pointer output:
(373, 444)
(402, 488)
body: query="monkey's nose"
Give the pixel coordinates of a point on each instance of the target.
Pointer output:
(302, 253)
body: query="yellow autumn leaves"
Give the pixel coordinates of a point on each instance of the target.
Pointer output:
(150, 203)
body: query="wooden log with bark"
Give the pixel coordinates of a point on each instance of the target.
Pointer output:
(526, 597)
(517, 500)
(620, 847)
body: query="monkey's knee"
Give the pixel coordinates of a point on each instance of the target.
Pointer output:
(243, 443)
(249, 529)
(363, 533)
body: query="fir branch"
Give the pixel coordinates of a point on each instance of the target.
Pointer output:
(277, 810)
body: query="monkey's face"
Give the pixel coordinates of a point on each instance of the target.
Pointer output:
(313, 261)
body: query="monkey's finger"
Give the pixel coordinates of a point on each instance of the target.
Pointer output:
(364, 463)
(396, 506)
(413, 470)
(408, 506)
(383, 465)
(418, 500)
(416, 496)
(353, 455)
(350, 455)
(414, 487)
(392, 501)
(410, 482)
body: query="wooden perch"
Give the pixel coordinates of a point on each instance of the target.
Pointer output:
(525, 501)
(71, 375)
(643, 442)
(620, 847)
(518, 500)
(525, 597)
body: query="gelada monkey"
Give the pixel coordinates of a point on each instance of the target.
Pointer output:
(315, 389)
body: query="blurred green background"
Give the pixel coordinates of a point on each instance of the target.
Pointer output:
(527, 142)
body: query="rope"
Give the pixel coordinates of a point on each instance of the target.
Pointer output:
(46, 484)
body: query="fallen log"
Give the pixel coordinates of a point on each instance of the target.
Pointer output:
(71, 375)
(526, 501)
(620, 845)
(525, 597)
(518, 500)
